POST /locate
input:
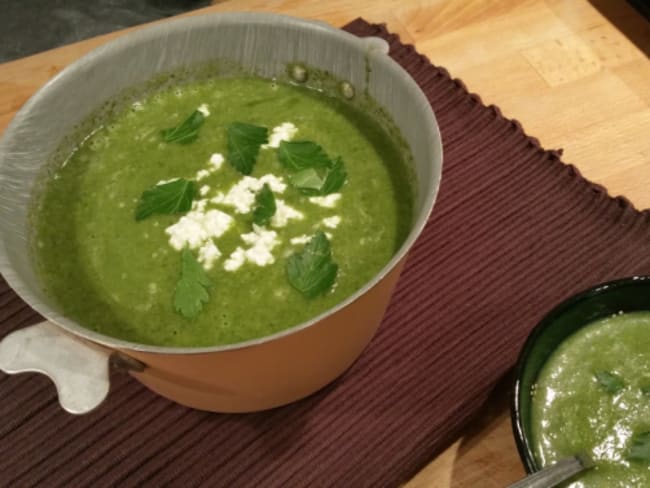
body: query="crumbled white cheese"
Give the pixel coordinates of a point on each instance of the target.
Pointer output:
(284, 213)
(202, 173)
(199, 205)
(208, 254)
(163, 182)
(261, 243)
(328, 201)
(216, 160)
(203, 108)
(283, 132)
(197, 227)
(242, 195)
(235, 261)
(203, 191)
(332, 222)
(303, 239)
(137, 106)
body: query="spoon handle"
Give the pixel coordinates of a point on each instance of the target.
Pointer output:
(551, 475)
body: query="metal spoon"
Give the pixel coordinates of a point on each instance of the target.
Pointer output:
(556, 473)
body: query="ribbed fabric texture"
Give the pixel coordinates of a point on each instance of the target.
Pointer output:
(514, 232)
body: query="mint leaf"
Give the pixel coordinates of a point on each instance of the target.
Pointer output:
(639, 449)
(299, 155)
(166, 198)
(191, 290)
(187, 131)
(306, 180)
(244, 142)
(335, 178)
(265, 206)
(611, 382)
(312, 271)
(310, 182)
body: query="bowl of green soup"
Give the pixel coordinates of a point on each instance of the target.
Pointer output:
(220, 204)
(583, 386)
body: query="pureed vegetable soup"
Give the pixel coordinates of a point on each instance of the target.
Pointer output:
(593, 396)
(221, 210)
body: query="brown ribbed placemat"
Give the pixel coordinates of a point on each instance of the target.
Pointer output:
(514, 231)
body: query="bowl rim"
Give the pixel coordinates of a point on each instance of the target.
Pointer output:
(159, 30)
(524, 448)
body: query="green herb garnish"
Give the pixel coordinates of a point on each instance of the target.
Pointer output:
(187, 131)
(312, 271)
(166, 198)
(191, 290)
(645, 390)
(299, 155)
(244, 142)
(639, 449)
(265, 206)
(315, 173)
(611, 382)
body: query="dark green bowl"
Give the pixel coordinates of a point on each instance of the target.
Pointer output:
(626, 295)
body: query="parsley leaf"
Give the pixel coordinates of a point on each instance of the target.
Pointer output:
(265, 206)
(187, 131)
(312, 271)
(191, 290)
(299, 155)
(166, 198)
(307, 180)
(611, 382)
(244, 142)
(335, 178)
(315, 173)
(639, 449)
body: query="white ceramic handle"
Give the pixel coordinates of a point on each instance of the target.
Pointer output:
(78, 368)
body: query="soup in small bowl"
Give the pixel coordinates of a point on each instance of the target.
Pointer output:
(583, 386)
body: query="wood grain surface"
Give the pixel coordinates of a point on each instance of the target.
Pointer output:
(575, 78)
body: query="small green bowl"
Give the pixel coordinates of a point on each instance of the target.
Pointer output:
(626, 295)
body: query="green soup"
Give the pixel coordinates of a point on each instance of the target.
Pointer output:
(118, 276)
(593, 396)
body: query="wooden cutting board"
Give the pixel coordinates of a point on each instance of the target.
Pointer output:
(568, 74)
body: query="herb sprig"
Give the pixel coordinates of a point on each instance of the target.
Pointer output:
(191, 290)
(187, 131)
(314, 172)
(312, 270)
(166, 198)
(243, 144)
(265, 206)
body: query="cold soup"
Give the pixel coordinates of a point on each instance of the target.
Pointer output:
(221, 210)
(593, 396)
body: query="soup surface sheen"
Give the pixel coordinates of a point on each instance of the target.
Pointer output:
(118, 276)
(593, 396)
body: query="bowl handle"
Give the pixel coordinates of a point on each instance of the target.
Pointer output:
(78, 368)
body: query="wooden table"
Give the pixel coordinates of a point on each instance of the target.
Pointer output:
(568, 74)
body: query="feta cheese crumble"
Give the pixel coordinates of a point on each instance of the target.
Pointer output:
(303, 239)
(196, 228)
(283, 132)
(203, 108)
(208, 254)
(216, 160)
(284, 213)
(261, 242)
(203, 191)
(328, 201)
(332, 222)
(202, 173)
(242, 195)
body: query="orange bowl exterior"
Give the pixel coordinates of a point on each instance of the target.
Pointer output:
(275, 372)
